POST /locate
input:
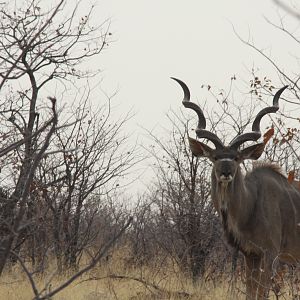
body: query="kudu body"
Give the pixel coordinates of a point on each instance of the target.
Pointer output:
(259, 211)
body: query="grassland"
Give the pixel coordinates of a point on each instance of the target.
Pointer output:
(14, 287)
(117, 279)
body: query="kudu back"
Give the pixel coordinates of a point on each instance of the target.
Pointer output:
(259, 211)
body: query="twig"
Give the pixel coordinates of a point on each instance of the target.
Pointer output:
(29, 275)
(94, 261)
(289, 10)
(144, 282)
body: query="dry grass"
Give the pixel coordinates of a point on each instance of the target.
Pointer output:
(13, 287)
(117, 280)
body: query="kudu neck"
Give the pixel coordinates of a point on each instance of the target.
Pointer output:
(233, 197)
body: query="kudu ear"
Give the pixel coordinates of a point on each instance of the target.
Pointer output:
(253, 152)
(199, 149)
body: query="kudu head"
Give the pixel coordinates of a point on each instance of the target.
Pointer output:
(226, 159)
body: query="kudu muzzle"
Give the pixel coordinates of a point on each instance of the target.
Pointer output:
(226, 170)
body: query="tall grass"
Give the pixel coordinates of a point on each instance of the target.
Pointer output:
(119, 279)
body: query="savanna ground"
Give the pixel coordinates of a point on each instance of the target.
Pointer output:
(117, 278)
(65, 155)
(113, 281)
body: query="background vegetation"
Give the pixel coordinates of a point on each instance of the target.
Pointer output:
(65, 220)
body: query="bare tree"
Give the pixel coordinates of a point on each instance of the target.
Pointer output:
(58, 161)
(77, 159)
(70, 181)
(180, 195)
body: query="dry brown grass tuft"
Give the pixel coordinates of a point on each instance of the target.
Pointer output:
(117, 280)
(15, 287)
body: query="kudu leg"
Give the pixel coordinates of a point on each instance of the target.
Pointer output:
(258, 278)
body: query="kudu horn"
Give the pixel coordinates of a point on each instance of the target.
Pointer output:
(256, 133)
(200, 130)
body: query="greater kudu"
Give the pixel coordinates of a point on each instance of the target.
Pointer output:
(260, 211)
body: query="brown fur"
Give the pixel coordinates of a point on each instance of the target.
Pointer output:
(259, 210)
(268, 165)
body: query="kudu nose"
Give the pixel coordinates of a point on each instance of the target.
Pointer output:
(226, 174)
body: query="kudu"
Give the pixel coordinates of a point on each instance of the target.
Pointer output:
(259, 211)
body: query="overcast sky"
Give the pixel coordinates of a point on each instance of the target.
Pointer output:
(192, 40)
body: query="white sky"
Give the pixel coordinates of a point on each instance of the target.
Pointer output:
(192, 40)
